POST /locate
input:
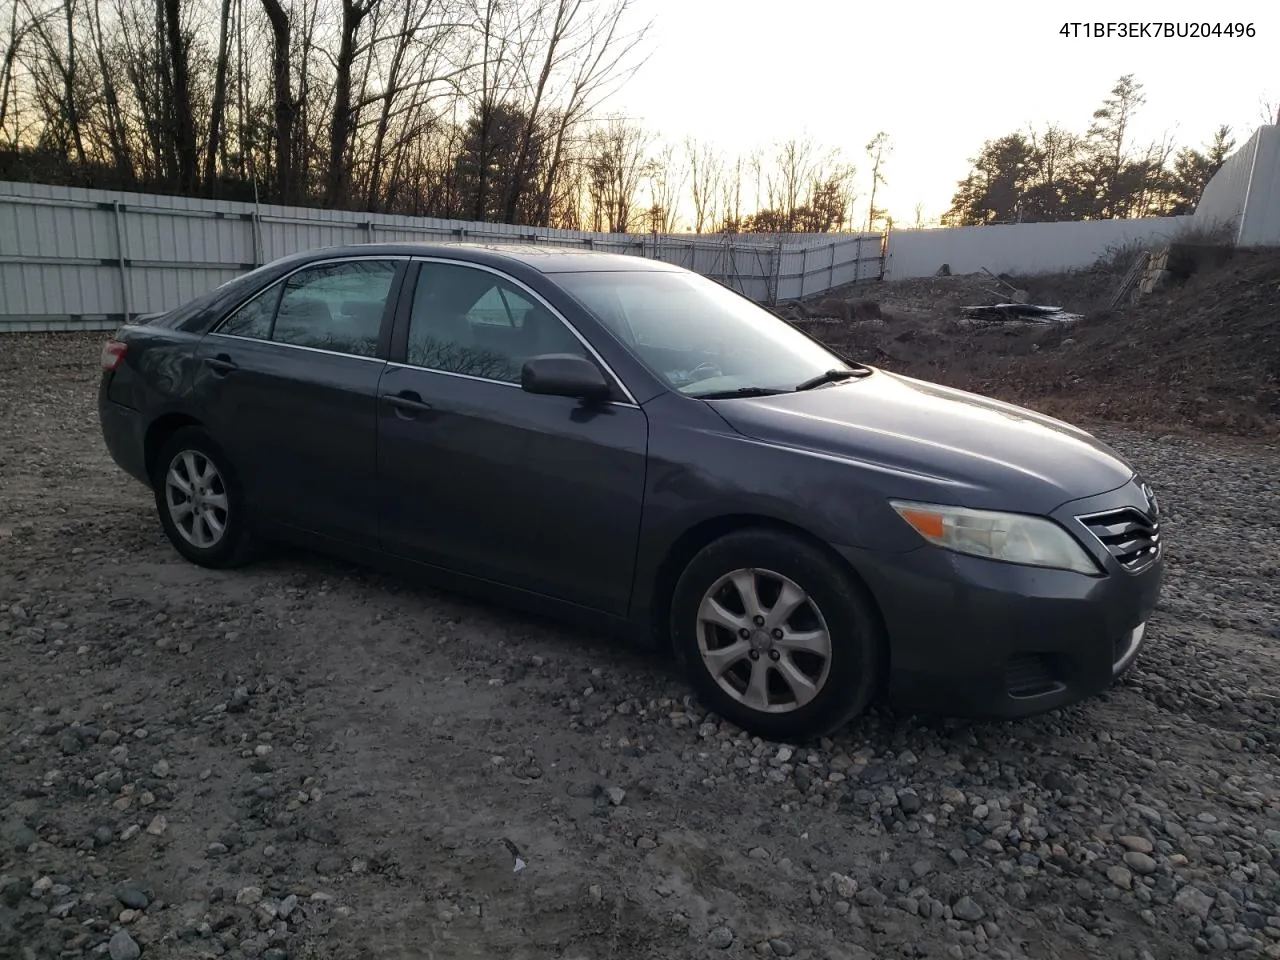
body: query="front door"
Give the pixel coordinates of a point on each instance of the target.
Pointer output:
(289, 385)
(475, 475)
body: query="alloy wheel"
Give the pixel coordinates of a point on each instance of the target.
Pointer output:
(196, 497)
(764, 640)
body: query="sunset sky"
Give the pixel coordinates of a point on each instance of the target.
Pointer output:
(939, 78)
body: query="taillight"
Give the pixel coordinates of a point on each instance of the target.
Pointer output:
(112, 355)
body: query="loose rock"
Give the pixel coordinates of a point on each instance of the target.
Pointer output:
(123, 947)
(720, 938)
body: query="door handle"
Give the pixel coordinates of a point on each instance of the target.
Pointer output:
(406, 403)
(221, 364)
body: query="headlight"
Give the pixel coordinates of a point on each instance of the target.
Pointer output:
(1011, 537)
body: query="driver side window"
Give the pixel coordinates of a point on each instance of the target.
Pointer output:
(473, 322)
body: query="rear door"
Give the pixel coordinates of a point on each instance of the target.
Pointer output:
(288, 383)
(475, 475)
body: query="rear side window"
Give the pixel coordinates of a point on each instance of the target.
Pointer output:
(331, 306)
(253, 319)
(335, 306)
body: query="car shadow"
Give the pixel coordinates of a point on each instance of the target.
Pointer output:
(624, 649)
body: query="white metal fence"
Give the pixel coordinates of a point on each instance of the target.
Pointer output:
(1020, 248)
(1245, 193)
(73, 258)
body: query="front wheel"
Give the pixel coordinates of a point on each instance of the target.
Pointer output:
(777, 637)
(199, 500)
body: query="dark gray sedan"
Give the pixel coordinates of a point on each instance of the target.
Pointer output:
(637, 446)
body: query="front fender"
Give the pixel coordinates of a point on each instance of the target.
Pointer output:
(701, 470)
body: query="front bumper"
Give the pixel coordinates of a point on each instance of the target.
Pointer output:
(981, 638)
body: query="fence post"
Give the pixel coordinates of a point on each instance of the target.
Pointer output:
(804, 269)
(123, 252)
(255, 225)
(777, 272)
(831, 272)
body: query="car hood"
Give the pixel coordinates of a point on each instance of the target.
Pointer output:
(987, 453)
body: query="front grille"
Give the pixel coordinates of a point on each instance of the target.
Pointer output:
(1128, 534)
(1030, 675)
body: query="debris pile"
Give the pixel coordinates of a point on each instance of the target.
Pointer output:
(1020, 312)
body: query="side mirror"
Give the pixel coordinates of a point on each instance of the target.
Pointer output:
(564, 375)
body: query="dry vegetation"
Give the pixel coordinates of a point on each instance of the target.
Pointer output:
(1202, 353)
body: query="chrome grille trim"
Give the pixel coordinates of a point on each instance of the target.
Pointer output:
(1129, 535)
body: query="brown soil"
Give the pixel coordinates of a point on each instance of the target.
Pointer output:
(1201, 354)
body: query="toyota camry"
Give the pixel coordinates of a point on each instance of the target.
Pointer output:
(633, 445)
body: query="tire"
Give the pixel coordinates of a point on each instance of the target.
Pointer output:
(194, 534)
(835, 604)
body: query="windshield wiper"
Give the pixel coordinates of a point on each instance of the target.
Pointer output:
(738, 392)
(831, 376)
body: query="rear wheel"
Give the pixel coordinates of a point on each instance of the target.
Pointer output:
(199, 500)
(777, 637)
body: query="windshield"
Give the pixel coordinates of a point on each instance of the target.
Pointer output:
(698, 336)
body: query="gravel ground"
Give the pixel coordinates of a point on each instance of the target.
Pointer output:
(306, 760)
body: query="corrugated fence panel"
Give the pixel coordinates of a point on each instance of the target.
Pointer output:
(35, 289)
(280, 239)
(66, 253)
(62, 232)
(1260, 225)
(153, 289)
(1222, 202)
(1020, 248)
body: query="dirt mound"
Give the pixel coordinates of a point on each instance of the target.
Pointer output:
(1204, 353)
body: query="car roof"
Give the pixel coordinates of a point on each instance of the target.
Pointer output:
(543, 258)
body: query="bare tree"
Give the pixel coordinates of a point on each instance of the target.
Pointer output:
(218, 112)
(706, 167)
(419, 48)
(800, 168)
(566, 20)
(364, 102)
(877, 150)
(605, 56)
(12, 40)
(798, 164)
(792, 171)
(731, 199)
(496, 37)
(1269, 110)
(667, 175)
(354, 13)
(616, 165)
(181, 124)
(281, 31)
(55, 72)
